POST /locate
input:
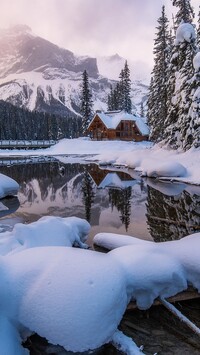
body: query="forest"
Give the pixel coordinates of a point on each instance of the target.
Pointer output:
(21, 124)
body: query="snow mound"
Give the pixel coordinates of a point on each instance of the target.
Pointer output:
(185, 33)
(8, 186)
(47, 231)
(72, 297)
(167, 169)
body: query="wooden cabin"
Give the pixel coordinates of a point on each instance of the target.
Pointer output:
(113, 125)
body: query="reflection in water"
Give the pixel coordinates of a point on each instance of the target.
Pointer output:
(88, 194)
(121, 199)
(172, 217)
(113, 201)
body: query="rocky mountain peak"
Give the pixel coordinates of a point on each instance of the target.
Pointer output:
(27, 52)
(39, 75)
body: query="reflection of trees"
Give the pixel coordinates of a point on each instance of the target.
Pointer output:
(121, 200)
(172, 217)
(88, 194)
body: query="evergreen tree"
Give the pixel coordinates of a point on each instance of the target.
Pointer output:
(86, 102)
(157, 99)
(120, 97)
(185, 11)
(180, 85)
(192, 129)
(125, 87)
(141, 109)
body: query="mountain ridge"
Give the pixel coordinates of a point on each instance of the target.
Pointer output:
(39, 75)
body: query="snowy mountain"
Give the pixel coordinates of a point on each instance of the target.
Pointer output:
(39, 75)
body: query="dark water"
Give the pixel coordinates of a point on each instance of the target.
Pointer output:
(112, 201)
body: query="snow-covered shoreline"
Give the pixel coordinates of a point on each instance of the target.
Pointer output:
(150, 160)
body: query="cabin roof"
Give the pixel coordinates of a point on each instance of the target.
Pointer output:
(111, 119)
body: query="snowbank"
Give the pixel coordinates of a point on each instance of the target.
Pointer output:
(8, 186)
(166, 169)
(151, 265)
(47, 231)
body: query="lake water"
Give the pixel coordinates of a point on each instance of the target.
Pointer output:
(111, 200)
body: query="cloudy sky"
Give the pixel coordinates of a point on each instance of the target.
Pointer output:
(92, 27)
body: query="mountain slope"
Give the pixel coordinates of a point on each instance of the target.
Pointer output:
(39, 75)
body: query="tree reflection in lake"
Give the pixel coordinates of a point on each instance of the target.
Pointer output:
(113, 201)
(88, 194)
(173, 217)
(121, 199)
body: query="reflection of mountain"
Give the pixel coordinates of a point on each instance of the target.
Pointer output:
(172, 217)
(46, 188)
(55, 188)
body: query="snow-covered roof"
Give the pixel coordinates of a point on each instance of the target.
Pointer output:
(111, 119)
(142, 126)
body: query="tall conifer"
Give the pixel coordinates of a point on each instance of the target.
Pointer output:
(86, 102)
(157, 99)
(185, 11)
(180, 79)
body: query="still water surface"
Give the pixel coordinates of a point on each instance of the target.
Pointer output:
(112, 201)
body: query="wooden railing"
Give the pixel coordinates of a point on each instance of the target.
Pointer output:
(26, 144)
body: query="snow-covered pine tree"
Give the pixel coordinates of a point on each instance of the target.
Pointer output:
(181, 73)
(157, 99)
(120, 97)
(192, 135)
(125, 86)
(110, 100)
(185, 11)
(86, 102)
(142, 109)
